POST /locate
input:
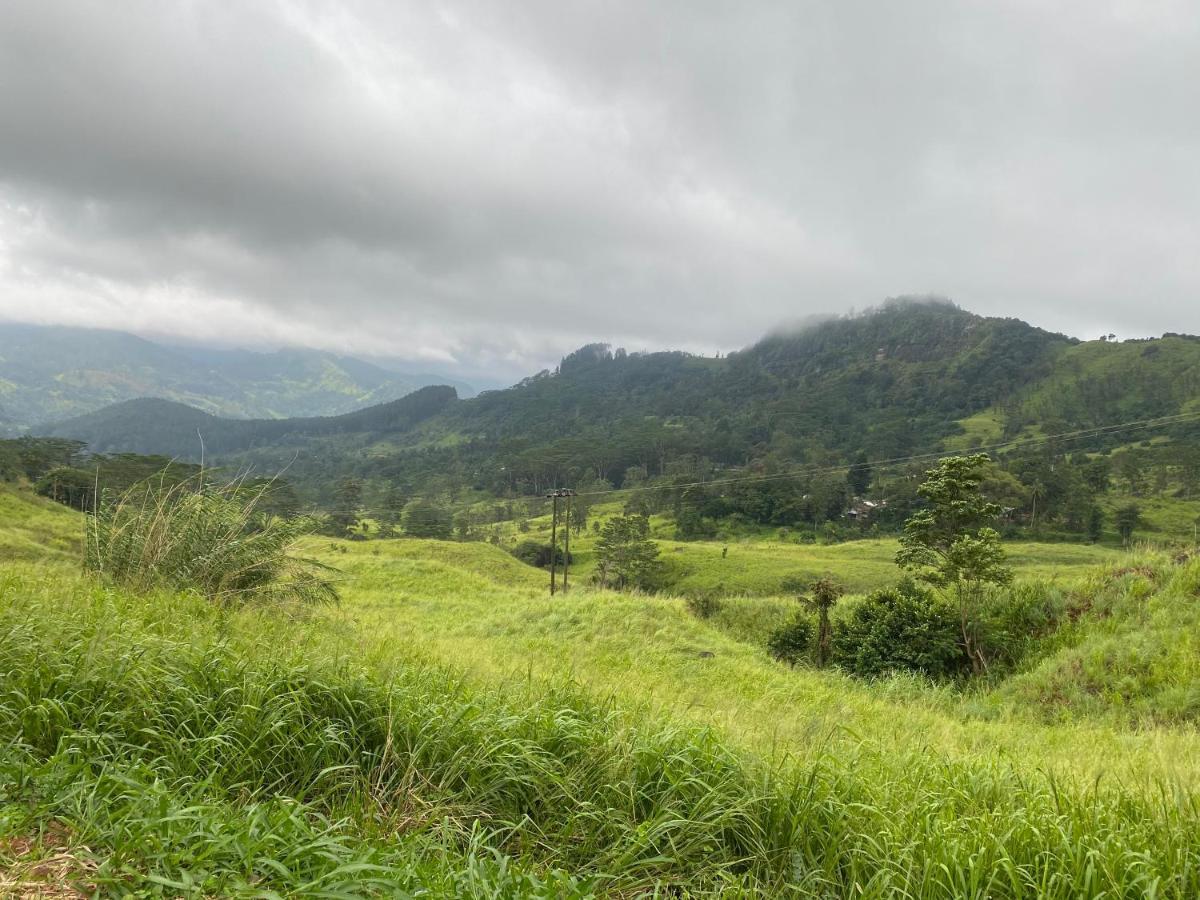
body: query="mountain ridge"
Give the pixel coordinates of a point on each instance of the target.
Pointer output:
(52, 373)
(906, 378)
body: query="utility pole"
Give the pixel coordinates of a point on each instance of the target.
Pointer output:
(554, 496)
(567, 539)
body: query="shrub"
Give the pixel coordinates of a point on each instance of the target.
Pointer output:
(535, 553)
(901, 628)
(1012, 622)
(792, 642)
(704, 606)
(207, 539)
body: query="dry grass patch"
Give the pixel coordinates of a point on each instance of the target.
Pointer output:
(46, 867)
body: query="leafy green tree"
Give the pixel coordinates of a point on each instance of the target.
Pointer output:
(68, 485)
(1128, 518)
(1129, 468)
(32, 457)
(625, 555)
(536, 553)
(1095, 524)
(790, 642)
(393, 506)
(424, 519)
(347, 501)
(950, 544)
(1187, 463)
(1096, 473)
(579, 514)
(464, 525)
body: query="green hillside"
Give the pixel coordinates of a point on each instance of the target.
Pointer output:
(450, 730)
(35, 529)
(909, 379)
(163, 427)
(1093, 384)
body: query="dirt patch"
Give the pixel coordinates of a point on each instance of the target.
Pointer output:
(46, 868)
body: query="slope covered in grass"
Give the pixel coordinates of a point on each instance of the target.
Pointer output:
(1133, 654)
(32, 528)
(450, 730)
(646, 650)
(194, 753)
(757, 565)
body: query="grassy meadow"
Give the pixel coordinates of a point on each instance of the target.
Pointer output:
(449, 730)
(756, 565)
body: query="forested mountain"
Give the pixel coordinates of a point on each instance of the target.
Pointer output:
(154, 426)
(52, 373)
(907, 378)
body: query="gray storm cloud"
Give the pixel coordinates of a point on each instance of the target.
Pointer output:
(491, 184)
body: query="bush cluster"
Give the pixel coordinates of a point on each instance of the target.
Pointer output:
(536, 553)
(901, 628)
(793, 642)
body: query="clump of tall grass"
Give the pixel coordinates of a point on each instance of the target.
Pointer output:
(211, 539)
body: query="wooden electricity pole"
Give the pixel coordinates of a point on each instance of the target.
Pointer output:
(554, 497)
(567, 540)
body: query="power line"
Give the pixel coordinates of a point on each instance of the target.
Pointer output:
(1044, 440)
(937, 454)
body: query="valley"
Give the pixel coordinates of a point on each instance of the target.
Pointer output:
(687, 718)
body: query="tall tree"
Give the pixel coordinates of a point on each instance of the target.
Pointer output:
(425, 519)
(951, 545)
(626, 557)
(1129, 517)
(347, 501)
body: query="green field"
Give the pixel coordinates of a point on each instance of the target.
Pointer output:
(451, 730)
(756, 565)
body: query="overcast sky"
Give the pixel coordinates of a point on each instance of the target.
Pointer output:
(482, 187)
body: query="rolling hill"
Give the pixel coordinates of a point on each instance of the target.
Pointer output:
(179, 430)
(52, 373)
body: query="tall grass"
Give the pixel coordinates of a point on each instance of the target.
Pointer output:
(210, 539)
(269, 715)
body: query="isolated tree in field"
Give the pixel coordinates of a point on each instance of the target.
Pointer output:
(424, 519)
(393, 506)
(579, 514)
(822, 595)
(347, 500)
(950, 544)
(1128, 519)
(625, 555)
(1095, 524)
